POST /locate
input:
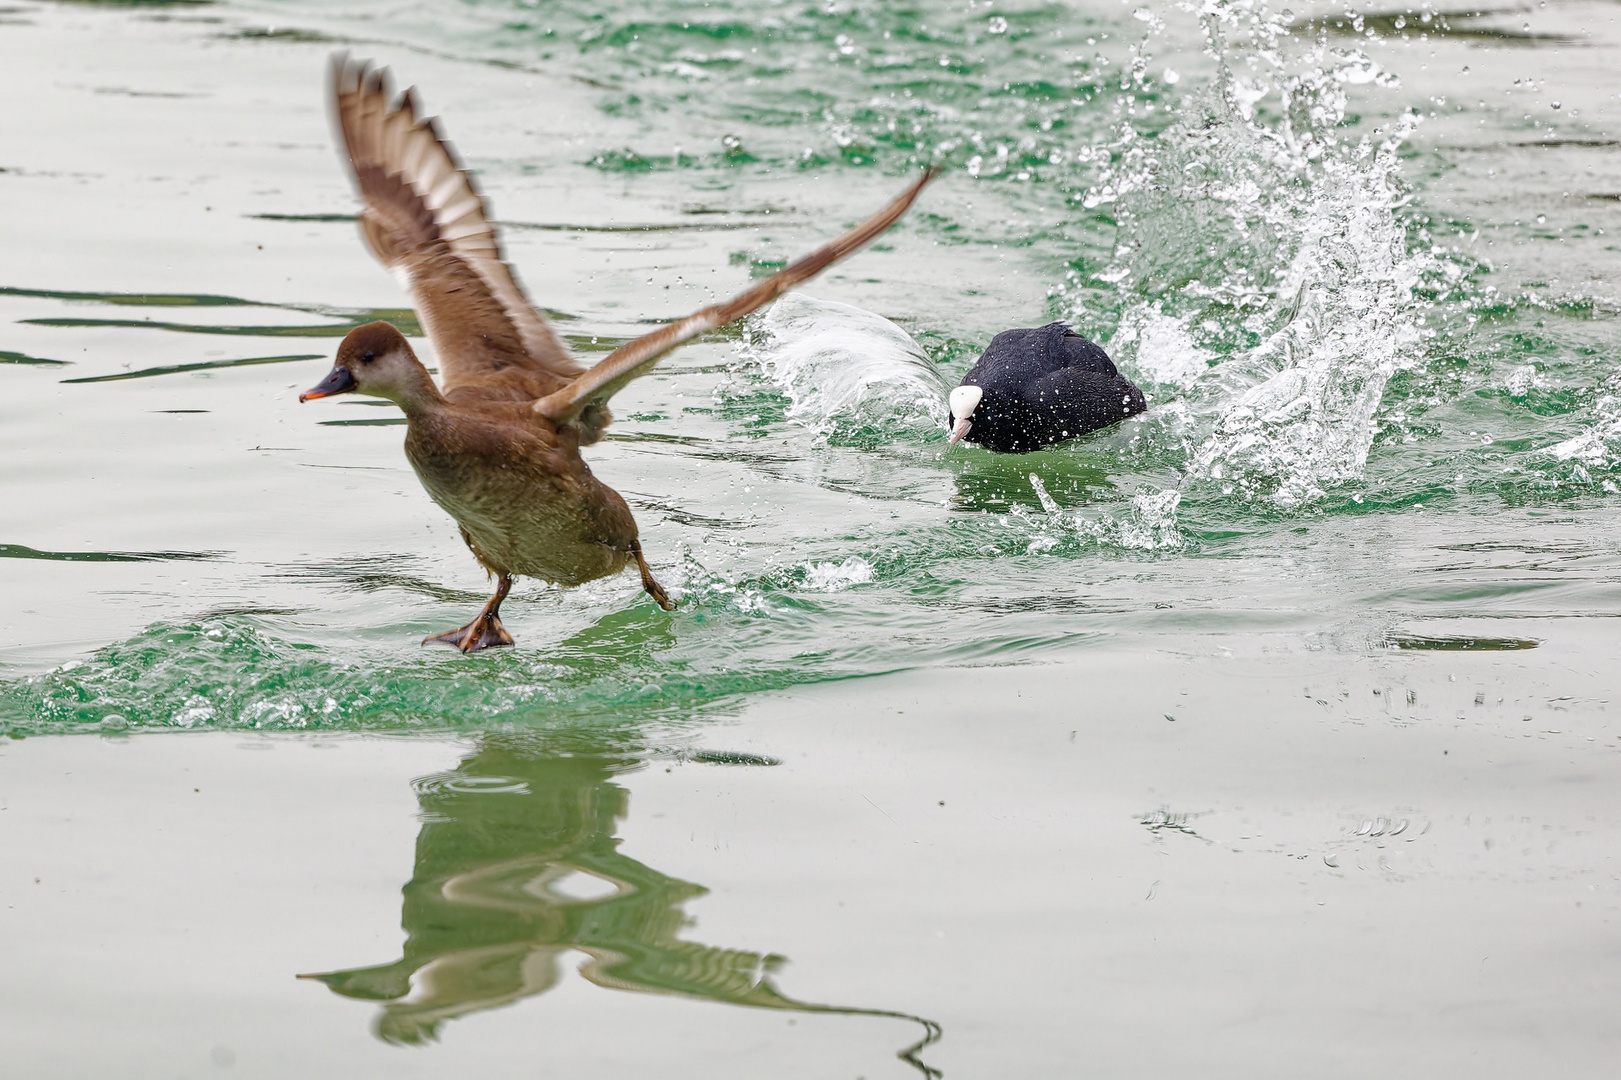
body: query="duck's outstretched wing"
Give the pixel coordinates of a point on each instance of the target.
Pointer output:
(592, 390)
(425, 220)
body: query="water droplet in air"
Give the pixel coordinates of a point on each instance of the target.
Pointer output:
(997, 25)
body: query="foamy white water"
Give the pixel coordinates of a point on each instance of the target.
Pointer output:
(845, 369)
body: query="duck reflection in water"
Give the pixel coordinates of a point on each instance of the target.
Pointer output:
(517, 863)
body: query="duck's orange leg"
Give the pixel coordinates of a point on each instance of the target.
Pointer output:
(653, 588)
(485, 631)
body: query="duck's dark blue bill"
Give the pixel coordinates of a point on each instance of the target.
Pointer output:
(339, 381)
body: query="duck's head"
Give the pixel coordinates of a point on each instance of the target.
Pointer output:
(375, 360)
(964, 400)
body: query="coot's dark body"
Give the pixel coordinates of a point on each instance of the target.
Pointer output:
(1043, 386)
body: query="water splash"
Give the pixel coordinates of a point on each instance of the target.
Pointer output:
(1160, 347)
(1353, 323)
(836, 577)
(1263, 264)
(1598, 447)
(1150, 525)
(851, 376)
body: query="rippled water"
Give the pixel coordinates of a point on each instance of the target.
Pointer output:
(1362, 263)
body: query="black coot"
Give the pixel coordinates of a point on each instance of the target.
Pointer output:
(1033, 388)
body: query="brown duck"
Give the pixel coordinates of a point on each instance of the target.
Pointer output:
(497, 442)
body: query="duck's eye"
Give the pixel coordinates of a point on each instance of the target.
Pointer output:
(367, 358)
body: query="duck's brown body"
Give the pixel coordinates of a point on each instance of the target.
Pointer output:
(526, 501)
(499, 445)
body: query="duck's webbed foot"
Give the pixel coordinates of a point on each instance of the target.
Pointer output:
(650, 586)
(485, 631)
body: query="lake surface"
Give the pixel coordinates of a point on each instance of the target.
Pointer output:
(1267, 734)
